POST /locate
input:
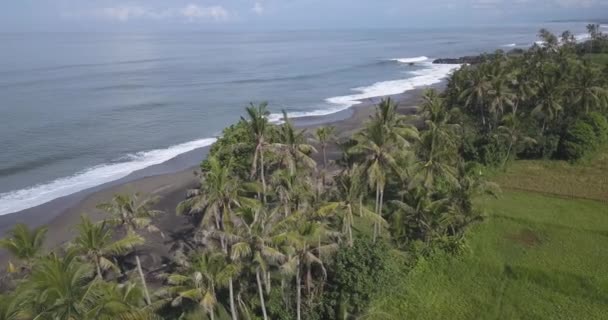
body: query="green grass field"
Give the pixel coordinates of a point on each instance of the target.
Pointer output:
(541, 253)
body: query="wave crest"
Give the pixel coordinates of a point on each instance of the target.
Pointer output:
(18, 200)
(411, 60)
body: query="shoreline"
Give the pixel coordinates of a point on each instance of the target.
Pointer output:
(170, 180)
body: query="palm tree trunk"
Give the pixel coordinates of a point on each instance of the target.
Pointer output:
(232, 308)
(260, 291)
(308, 282)
(324, 157)
(350, 226)
(298, 292)
(98, 268)
(143, 280)
(262, 177)
(268, 283)
(376, 209)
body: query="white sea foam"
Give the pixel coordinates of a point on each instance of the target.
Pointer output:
(18, 200)
(582, 37)
(411, 60)
(510, 45)
(431, 74)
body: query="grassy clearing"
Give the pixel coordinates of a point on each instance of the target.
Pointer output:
(599, 58)
(536, 256)
(587, 181)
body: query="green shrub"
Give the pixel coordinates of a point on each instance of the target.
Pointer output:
(237, 143)
(579, 141)
(599, 124)
(357, 275)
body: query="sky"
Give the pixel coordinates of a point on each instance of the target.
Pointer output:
(132, 15)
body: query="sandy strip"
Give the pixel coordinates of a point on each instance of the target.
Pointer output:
(168, 181)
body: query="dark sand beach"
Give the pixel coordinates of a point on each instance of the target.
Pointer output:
(169, 182)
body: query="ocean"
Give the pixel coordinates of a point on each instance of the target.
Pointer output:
(78, 110)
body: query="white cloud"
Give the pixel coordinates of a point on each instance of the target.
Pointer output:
(258, 8)
(191, 12)
(124, 13)
(194, 12)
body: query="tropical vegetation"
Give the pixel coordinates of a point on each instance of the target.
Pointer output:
(277, 234)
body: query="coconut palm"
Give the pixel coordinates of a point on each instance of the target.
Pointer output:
(253, 243)
(133, 215)
(588, 90)
(61, 287)
(258, 127)
(120, 301)
(500, 95)
(475, 93)
(292, 147)
(351, 189)
(219, 194)
(207, 273)
(24, 244)
(324, 136)
(12, 307)
(308, 243)
(292, 190)
(549, 99)
(96, 243)
(394, 124)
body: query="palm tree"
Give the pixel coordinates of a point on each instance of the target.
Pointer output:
(292, 190)
(475, 92)
(308, 243)
(258, 126)
(132, 215)
(208, 272)
(95, 242)
(378, 152)
(500, 95)
(24, 244)
(292, 147)
(122, 301)
(512, 134)
(394, 124)
(324, 136)
(253, 243)
(588, 90)
(549, 98)
(219, 194)
(61, 288)
(351, 189)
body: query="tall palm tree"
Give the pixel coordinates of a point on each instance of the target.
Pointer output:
(378, 160)
(96, 243)
(24, 244)
(292, 190)
(308, 242)
(208, 272)
(394, 124)
(548, 99)
(500, 95)
(588, 90)
(292, 147)
(324, 136)
(351, 189)
(119, 301)
(61, 288)
(133, 215)
(220, 193)
(258, 126)
(254, 243)
(475, 92)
